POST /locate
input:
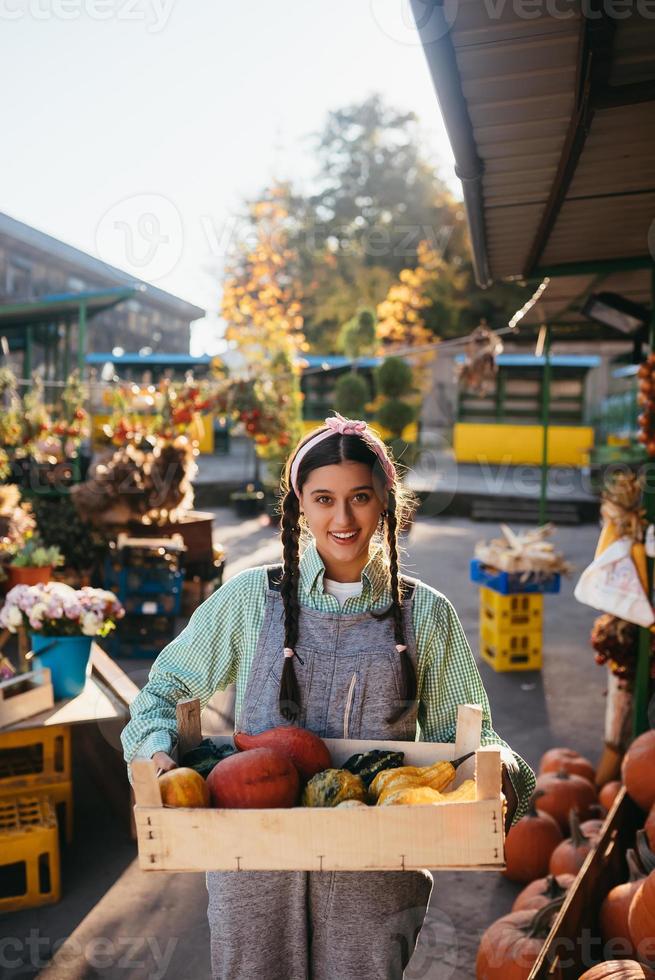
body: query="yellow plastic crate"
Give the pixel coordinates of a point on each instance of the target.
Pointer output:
(59, 794)
(522, 611)
(33, 758)
(514, 650)
(29, 854)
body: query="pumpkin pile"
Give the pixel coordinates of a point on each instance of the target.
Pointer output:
(539, 857)
(284, 766)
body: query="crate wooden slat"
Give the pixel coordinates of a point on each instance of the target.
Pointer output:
(575, 930)
(25, 695)
(449, 835)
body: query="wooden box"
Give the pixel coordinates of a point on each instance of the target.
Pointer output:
(25, 695)
(196, 529)
(448, 835)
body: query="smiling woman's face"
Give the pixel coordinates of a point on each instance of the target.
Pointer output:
(342, 510)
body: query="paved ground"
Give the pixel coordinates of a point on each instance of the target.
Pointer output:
(154, 926)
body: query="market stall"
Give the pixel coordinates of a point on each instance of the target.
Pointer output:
(550, 120)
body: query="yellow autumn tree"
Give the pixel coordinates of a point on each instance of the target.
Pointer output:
(401, 322)
(261, 306)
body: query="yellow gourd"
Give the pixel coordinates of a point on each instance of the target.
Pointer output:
(412, 795)
(436, 776)
(464, 792)
(422, 795)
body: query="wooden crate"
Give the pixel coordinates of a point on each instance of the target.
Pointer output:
(466, 835)
(25, 695)
(574, 942)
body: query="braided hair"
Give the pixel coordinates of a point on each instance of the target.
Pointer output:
(336, 449)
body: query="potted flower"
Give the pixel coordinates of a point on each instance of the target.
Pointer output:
(33, 563)
(62, 623)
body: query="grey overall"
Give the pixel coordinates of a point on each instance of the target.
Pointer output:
(321, 925)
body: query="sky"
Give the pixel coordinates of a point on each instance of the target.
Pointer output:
(134, 129)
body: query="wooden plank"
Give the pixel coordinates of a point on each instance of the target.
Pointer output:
(488, 773)
(189, 735)
(144, 781)
(106, 696)
(467, 739)
(112, 676)
(25, 695)
(447, 835)
(574, 936)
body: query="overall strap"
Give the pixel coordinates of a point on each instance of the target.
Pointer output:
(409, 586)
(274, 573)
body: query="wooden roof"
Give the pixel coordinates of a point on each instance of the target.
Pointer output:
(552, 121)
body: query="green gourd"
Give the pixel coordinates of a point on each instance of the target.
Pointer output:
(368, 764)
(205, 756)
(333, 786)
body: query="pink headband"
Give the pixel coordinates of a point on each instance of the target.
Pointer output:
(345, 427)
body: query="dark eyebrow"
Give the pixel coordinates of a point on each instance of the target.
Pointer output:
(365, 487)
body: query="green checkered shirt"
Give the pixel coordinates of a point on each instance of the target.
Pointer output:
(218, 645)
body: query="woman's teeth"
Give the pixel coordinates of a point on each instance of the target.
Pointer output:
(344, 537)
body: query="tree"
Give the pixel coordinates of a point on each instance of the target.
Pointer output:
(262, 308)
(358, 336)
(393, 380)
(351, 395)
(378, 196)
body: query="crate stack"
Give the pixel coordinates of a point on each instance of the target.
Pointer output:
(147, 575)
(511, 617)
(35, 790)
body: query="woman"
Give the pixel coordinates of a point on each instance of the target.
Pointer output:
(335, 640)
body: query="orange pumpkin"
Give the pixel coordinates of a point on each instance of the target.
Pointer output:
(542, 891)
(529, 844)
(563, 792)
(638, 770)
(307, 751)
(510, 946)
(567, 760)
(615, 908)
(618, 970)
(609, 792)
(641, 919)
(183, 787)
(254, 779)
(569, 856)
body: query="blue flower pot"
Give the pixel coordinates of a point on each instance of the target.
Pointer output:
(67, 658)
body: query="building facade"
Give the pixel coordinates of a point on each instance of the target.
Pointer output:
(34, 265)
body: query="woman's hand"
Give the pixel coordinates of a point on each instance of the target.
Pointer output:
(163, 762)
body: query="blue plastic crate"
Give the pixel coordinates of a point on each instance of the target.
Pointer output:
(152, 604)
(511, 583)
(126, 580)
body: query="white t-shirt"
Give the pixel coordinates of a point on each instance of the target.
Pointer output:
(342, 590)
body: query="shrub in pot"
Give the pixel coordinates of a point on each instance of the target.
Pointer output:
(33, 563)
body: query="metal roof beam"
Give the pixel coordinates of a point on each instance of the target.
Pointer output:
(593, 267)
(615, 96)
